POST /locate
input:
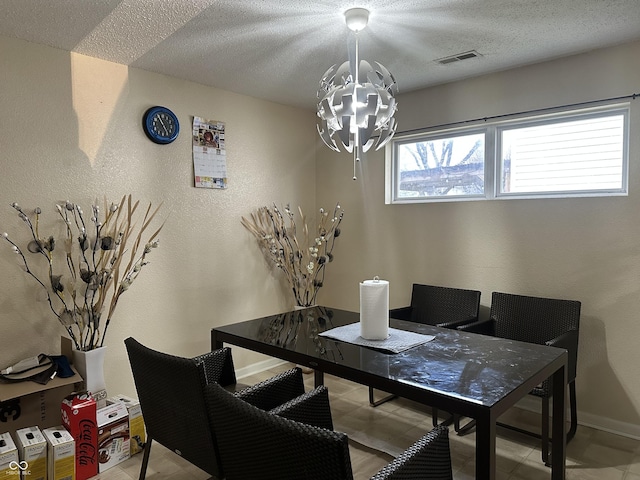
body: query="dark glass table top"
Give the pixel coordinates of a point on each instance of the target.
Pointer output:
(477, 368)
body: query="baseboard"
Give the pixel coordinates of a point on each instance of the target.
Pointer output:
(258, 367)
(598, 422)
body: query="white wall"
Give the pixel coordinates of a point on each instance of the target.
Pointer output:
(586, 249)
(71, 129)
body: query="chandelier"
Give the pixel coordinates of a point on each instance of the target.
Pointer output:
(355, 100)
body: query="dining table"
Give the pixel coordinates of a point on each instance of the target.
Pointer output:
(468, 374)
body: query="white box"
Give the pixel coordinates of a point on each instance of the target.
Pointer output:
(32, 448)
(61, 453)
(137, 435)
(113, 435)
(9, 459)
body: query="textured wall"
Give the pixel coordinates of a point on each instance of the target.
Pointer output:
(586, 249)
(71, 129)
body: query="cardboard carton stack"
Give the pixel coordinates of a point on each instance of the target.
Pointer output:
(89, 441)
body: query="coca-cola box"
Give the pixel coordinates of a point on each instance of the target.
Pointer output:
(79, 418)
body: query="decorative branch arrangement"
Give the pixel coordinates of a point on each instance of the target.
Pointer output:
(95, 270)
(303, 262)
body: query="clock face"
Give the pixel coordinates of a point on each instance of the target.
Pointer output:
(161, 125)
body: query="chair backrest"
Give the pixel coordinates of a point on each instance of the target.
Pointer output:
(537, 320)
(171, 394)
(533, 319)
(434, 305)
(258, 445)
(427, 459)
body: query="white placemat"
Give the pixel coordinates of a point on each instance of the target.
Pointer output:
(398, 340)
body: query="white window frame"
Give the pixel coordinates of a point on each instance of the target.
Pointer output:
(493, 164)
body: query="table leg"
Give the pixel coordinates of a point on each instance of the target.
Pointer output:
(486, 448)
(318, 377)
(215, 343)
(559, 431)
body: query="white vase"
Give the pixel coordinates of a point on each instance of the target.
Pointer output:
(90, 366)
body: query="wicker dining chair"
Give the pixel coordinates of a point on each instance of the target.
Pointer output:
(258, 445)
(445, 307)
(171, 394)
(545, 321)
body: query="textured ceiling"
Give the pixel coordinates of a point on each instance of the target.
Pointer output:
(279, 50)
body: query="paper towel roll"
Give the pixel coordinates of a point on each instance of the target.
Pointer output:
(374, 309)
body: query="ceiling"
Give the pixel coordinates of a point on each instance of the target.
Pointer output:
(278, 50)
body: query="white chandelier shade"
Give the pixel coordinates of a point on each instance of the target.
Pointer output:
(356, 101)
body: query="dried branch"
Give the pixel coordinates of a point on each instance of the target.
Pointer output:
(93, 277)
(302, 262)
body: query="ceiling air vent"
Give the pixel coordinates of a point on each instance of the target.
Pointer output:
(458, 57)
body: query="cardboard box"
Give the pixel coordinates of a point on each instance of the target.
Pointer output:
(24, 404)
(79, 418)
(137, 435)
(61, 453)
(9, 460)
(113, 435)
(32, 449)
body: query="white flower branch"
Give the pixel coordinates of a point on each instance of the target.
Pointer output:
(93, 277)
(303, 262)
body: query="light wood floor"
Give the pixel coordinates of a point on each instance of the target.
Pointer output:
(395, 425)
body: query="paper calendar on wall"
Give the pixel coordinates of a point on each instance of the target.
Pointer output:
(209, 155)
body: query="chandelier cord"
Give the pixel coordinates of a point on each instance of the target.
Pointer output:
(356, 77)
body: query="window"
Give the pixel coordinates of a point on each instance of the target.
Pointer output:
(437, 166)
(561, 155)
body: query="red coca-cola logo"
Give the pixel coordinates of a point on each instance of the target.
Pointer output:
(86, 451)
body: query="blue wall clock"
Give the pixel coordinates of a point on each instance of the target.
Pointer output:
(161, 125)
